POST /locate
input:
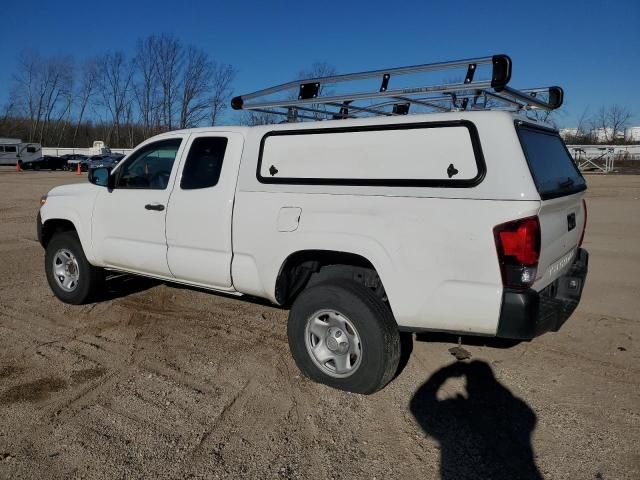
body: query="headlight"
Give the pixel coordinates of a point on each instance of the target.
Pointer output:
(43, 200)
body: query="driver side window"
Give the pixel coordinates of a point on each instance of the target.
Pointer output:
(150, 167)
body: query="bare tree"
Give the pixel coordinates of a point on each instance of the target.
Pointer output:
(57, 85)
(115, 89)
(582, 126)
(8, 110)
(252, 118)
(221, 78)
(62, 122)
(146, 86)
(610, 121)
(129, 123)
(196, 81)
(41, 91)
(11, 121)
(169, 56)
(545, 116)
(165, 86)
(26, 94)
(86, 91)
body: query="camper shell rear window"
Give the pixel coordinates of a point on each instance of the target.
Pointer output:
(438, 154)
(554, 171)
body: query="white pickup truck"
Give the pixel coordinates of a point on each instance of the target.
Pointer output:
(467, 221)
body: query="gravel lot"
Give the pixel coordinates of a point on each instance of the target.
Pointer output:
(160, 381)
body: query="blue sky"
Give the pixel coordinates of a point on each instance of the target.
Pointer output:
(591, 48)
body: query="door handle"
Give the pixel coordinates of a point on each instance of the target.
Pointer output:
(154, 206)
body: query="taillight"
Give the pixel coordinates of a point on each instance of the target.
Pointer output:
(584, 224)
(518, 246)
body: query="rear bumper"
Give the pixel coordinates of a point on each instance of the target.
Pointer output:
(527, 314)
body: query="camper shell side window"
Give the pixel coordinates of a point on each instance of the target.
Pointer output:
(425, 154)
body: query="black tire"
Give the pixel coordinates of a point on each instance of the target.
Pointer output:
(375, 325)
(90, 278)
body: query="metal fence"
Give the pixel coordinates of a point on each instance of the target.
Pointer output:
(603, 158)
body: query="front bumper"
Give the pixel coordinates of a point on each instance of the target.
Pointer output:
(527, 314)
(39, 229)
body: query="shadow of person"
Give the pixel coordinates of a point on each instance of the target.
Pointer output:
(485, 434)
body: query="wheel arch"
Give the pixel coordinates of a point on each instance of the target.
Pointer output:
(52, 226)
(305, 268)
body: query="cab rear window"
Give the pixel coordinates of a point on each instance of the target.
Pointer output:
(554, 171)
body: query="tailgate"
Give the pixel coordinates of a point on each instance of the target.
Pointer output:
(561, 187)
(561, 224)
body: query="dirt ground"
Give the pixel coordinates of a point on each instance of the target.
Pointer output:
(159, 381)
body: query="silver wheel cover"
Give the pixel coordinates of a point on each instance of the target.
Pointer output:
(333, 343)
(66, 270)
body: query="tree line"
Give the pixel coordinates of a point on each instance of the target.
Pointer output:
(605, 125)
(164, 85)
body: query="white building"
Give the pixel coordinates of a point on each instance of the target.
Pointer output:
(602, 135)
(632, 134)
(568, 133)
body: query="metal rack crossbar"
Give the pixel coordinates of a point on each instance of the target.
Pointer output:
(313, 103)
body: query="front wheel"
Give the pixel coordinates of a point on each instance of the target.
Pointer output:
(341, 334)
(70, 275)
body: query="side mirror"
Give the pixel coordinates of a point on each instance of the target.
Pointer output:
(100, 176)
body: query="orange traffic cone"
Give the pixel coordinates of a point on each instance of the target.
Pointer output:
(78, 170)
(18, 166)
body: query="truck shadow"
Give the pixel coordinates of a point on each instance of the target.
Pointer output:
(492, 342)
(121, 285)
(406, 349)
(483, 434)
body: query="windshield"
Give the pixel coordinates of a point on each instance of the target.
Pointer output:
(554, 171)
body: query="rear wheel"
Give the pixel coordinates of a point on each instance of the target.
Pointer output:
(71, 277)
(341, 334)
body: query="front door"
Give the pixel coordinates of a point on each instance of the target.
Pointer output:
(129, 220)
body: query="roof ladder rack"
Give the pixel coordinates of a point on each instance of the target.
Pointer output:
(315, 102)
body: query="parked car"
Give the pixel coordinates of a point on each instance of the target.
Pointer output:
(73, 159)
(101, 161)
(46, 162)
(468, 222)
(105, 161)
(94, 159)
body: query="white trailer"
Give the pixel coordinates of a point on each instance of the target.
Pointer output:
(13, 150)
